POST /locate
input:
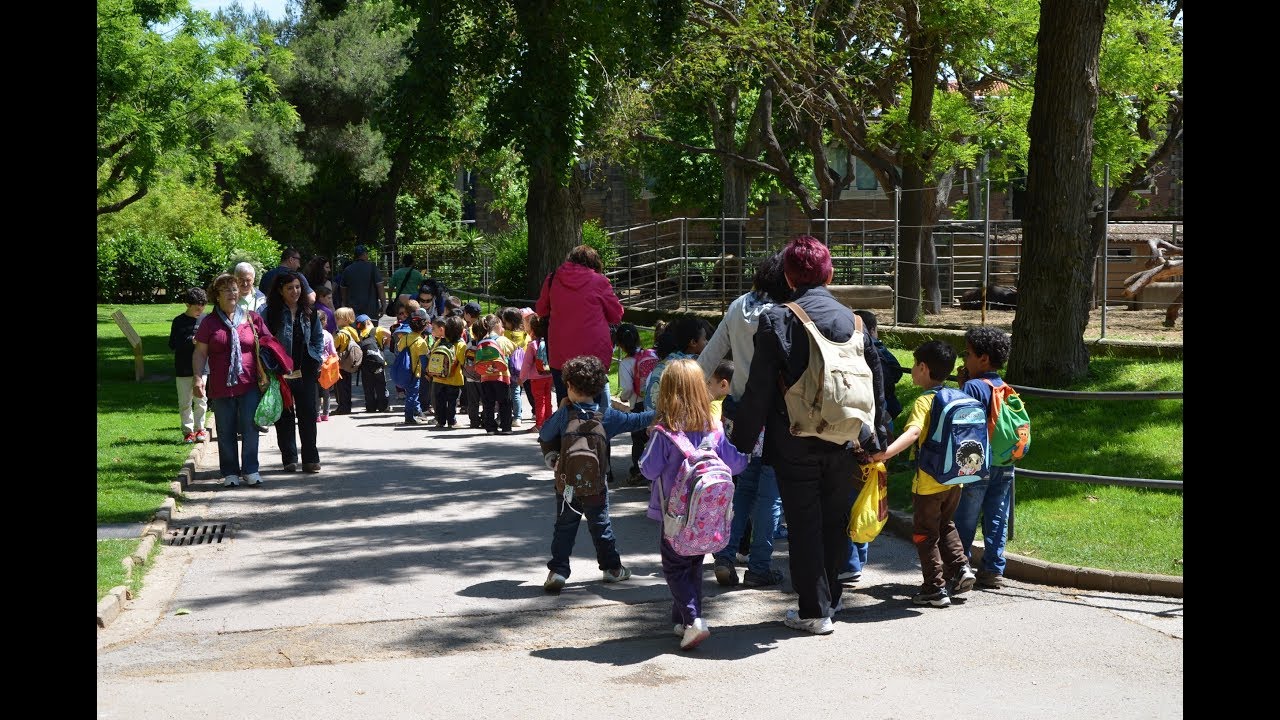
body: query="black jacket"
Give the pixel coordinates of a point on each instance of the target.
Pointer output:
(782, 346)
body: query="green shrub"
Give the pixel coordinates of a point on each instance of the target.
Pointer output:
(595, 236)
(510, 263)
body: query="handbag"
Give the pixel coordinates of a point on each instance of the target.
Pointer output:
(263, 375)
(390, 310)
(871, 509)
(330, 373)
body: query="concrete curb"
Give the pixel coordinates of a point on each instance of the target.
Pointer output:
(1025, 569)
(110, 606)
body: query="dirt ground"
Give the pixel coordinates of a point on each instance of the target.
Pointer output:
(1122, 324)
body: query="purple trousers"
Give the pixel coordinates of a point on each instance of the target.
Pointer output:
(684, 578)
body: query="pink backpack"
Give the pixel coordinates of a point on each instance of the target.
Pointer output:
(697, 516)
(646, 361)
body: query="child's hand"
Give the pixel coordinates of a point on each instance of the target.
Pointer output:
(550, 459)
(962, 375)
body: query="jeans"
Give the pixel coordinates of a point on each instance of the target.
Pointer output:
(516, 410)
(596, 512)
(857, 551)
(235, 414)
(991, 497)
(756, 499)
(411, 406)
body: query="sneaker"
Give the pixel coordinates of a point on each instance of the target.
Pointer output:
(311, 467)
(781, 534)
(324, 418)
(636, 480)
(817, 626)
(291, 467)
(962, 582)
(726, 575)
(849, 576)
(987, 579)
(839, 608)
(679, 629)
(410, 421)
(554, 582)
(612, 576)
(515, 423)
(231, 481)
(740, 558)
(753, 579)
(928, 595)
(694, 634)
(253, 478)
(189, 438)
(202, 435)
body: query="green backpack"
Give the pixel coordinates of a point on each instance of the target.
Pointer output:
(1008, 426)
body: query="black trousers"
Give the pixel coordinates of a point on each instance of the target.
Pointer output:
(496, 395)
(471, 401)
(375, 389)
(343, 389)
(815, 493)
(447, 403)
(302, 416)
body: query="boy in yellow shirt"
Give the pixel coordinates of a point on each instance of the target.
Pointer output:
(933, 504)
(448, 383)
(493, 358)
(418, 349)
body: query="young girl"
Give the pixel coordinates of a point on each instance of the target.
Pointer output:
(537, 371)
(685, 408)
(629, 341)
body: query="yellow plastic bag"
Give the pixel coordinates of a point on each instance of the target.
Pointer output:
(871, 510)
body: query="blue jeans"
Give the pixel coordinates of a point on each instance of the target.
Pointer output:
(411, 405)
(566, 531)
(991, 497)
(515, 399)
(755, 498)
(235, 414)
(857, 551)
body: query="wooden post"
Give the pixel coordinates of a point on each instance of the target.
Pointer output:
(132, 336)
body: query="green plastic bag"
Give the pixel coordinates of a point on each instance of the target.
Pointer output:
(271, 404)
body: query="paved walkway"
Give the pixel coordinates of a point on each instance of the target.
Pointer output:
(404, 581)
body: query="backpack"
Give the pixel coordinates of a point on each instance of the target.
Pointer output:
(646, 361)
(541, 362)
(1008, 426)
(697, 517)
(401, 368)
(373, 359)
(469, 363)
(584, 456)
(440, 361)
(957, 450)
(833, 397)
(489, 358)
(350, 359)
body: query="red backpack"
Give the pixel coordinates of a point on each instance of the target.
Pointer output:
(646, 361)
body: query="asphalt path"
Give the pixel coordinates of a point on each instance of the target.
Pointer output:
(405, 581)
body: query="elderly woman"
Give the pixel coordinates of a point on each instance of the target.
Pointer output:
(299, 328)
(581, 305)
(226, 340)
(249, 296)
(815, 476)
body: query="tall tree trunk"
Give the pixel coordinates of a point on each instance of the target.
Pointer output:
(554, 214)
(733, 204)
(1056, 283)
(918, 196)
(928, 249)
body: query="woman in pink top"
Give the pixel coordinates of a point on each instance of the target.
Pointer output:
(584, 306)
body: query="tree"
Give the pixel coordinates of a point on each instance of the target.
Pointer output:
(1056, 285)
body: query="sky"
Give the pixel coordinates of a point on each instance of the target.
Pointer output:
(274, 8)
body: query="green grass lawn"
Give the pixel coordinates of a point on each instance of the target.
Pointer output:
(111, 571)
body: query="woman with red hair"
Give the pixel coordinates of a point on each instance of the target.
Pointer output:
(815, 476)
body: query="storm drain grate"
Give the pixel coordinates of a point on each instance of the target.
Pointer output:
(198, 534)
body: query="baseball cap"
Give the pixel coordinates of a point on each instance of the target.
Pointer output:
(362, 318)
(472, 308)
(421, 313)
(361, 250)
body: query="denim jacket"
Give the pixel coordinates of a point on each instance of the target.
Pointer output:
(312, 334)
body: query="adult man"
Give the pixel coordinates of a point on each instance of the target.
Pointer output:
(250, 298)
(290, 259)
(406, 279)
(362, 288)
(815, 476)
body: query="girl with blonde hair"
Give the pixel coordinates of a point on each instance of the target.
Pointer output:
(684, 410)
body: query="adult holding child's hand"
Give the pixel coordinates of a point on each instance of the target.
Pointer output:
(581, 304)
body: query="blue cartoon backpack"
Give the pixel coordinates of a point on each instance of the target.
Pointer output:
(957, 450)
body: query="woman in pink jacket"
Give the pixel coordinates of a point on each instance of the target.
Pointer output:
(581, 304)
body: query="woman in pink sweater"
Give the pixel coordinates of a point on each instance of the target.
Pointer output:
(584, 307)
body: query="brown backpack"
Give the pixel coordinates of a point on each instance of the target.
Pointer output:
(584, 456)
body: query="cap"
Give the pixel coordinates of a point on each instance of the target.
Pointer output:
(361, 250)
(362, 318)
(472, 308)
(421, 313)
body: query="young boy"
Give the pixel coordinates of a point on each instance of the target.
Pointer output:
(471, 388)
(449, 387)
(584, 379)
(495, 380)
(513, 330)
(182, 340)
(986, 350)
(324, 303)
(418, 350)
(718, 388)
(942, 559)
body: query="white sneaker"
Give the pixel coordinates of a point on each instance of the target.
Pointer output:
(817, 626)
(849, 576)
(622, 574)
(252, 478)
(554, 582)
(694, 634)
(231, 481)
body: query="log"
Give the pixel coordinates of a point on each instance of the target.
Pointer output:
(1139, 280)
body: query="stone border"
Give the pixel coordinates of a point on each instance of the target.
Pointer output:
(1025, 569)
(110, 606)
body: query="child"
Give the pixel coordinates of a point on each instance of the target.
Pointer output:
(986, 349)
(628, 338)
(686, 335)
(537, 370)
(889, 364)
(322, 393)
(471, 388)
(933, 504)
(513, 330)
(495, 377)
(718, 390)
(182, 340)
(684, 407)
(324, 304)
(373, 377)
(347, 333)
(584, 378)
(448, 388)
(418, 350)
